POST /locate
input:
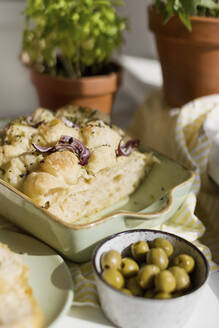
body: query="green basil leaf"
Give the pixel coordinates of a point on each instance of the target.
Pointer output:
(189, 7)
(184, 17)
(169, 10)
(210, 4)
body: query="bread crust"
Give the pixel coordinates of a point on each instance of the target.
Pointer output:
(18, 307)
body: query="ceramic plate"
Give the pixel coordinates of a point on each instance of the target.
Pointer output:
(50, 278)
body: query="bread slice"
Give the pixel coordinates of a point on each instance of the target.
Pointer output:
(61, 181)
(18, 307)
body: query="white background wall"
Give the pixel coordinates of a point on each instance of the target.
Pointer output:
(139, 41)
(17, 95)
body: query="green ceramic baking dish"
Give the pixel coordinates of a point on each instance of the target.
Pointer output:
(157, 198)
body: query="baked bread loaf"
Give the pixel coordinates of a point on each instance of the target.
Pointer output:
(73, 162)
(18, 307)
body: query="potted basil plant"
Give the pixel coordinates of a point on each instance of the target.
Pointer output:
(187, 39)
(68, 45)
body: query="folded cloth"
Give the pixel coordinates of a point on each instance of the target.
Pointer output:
(211, 129)
(193, 136)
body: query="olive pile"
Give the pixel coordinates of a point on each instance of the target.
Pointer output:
(147, 272)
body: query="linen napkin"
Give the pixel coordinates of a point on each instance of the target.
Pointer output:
(193, 147)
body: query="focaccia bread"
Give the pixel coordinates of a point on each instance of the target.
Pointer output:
(18, 307)
(73, 162)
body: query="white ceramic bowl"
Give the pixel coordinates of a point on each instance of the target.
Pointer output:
(136, 312)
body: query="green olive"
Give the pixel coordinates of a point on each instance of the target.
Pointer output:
(185, 261)
(162, 296)
(146, 275)
(158, 257)
(139, 250)
(111, 259)
(126, 291)
(149, 293)
(129, 267)
(163, 243)
(134, 287)
(181, 277)
(113, 277)
(165, 282)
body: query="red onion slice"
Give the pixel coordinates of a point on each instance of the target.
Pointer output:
(29, 120)
(69, 123)
(71, 144)
(31, 123)
(36, 125)
(65, 139)
(76, 146)
(127, 148)
(42, 149)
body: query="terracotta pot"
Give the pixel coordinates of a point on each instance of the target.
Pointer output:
(189, 60)
(96, 92)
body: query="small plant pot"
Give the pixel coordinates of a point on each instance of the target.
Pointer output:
(189, 60)
(96, 92)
